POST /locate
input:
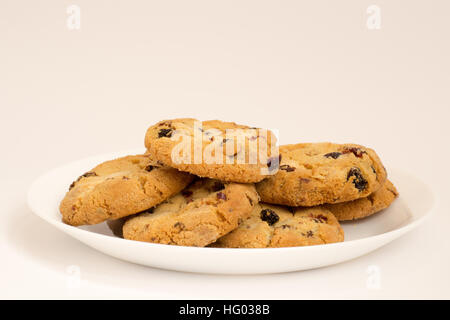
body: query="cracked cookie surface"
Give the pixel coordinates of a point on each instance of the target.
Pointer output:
(197, 216)
(215, 154)
(316, 173)
(364, 207)
(271, 226)
(118, 188)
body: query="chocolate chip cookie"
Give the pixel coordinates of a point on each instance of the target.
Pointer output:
(214, 149)
(119, 188)
(198, 216)
(364, 207)
(277, 226)
(315, 173)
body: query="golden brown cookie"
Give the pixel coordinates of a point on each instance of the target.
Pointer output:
(118, 188)
(364, 207)
(198, 216)
(218, 150)
(315, 173)
(277, 226)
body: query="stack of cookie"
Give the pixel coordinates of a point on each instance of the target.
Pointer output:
(198, 186)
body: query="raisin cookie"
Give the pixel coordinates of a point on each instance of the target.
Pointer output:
(119, 188)
(315, 173)
(214, 149)
(364, 207)
(277, 226)
(198, 216)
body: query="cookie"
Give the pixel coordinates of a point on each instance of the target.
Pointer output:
(119, 188)
(364, 207)
(311, 174)
(198, 216)
(276, 226)
(214, 149)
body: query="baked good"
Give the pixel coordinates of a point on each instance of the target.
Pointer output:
(311, 174)
(198, 216)
(219, 150)
(118, 188)
(364, 207)
(278, 226)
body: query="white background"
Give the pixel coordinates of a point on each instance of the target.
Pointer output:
(310, 69)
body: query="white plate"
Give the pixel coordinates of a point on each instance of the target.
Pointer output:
(407, 212)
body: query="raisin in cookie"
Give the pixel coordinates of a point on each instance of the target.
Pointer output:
(198, 216)
(119, 188)
(277, 226)
(364, 207)
(315, 173)
(213, 149)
